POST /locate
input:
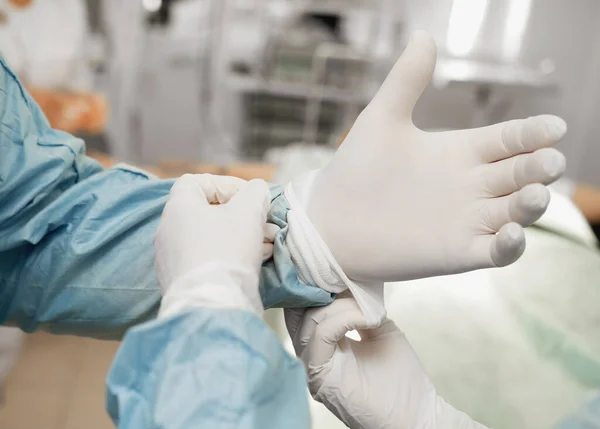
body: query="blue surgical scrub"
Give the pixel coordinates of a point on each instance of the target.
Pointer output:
(76, 253)
(76, 257)
(206, 368)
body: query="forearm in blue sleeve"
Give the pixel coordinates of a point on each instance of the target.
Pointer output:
(206, 368)
(76, 252)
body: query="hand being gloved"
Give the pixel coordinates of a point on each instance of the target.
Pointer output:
(375, 383)
(210, 243)
(398, 203)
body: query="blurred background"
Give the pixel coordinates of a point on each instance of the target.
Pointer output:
(268, 89)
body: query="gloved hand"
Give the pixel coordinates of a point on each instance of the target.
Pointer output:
(397, 203)
(376, 383)
(209, 255)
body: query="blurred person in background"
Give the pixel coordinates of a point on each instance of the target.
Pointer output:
(46, 44)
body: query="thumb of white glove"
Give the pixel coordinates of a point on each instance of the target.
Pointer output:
(374, 383)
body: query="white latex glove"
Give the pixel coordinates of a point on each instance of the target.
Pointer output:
(397, 203)
(376, 383)
(209, 255)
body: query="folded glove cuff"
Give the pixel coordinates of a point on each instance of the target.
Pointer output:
(214, 285)
(314, 261)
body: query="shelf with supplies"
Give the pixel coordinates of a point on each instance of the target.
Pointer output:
(271, 86)
(332, 7)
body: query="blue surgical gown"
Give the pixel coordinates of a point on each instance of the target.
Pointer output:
(76, 254)
(76, 257)
(206, 368)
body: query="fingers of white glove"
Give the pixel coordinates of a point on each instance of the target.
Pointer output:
(409, 77)
(523, 207)
(315, 315)
(321, 347)
(507, 139)
(509, 175)
(218, 189)
(311, 317)
(501, 249)
(187, 189)
(253, 200)
(267, 252)
(244, 217)
(329, 329)
(187, 201)
(271, 231)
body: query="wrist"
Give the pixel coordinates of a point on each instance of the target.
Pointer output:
(315, 263)
(213, 285)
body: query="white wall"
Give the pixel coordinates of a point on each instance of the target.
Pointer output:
(170, 125)
(567, 31)
(586, 147)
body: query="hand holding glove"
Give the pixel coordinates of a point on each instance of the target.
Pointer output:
(210, 243)
(375, 383)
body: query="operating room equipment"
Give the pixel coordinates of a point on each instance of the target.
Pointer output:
(303, 74)
(275, 87)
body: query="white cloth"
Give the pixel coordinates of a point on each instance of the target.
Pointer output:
(374, 383)
(397, 203)
(317, 266)
(210, 243)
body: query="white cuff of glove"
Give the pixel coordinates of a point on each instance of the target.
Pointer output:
(213, 285)
(315, 263)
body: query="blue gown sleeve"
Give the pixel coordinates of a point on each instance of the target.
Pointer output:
(76, 254)
(206, 368)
